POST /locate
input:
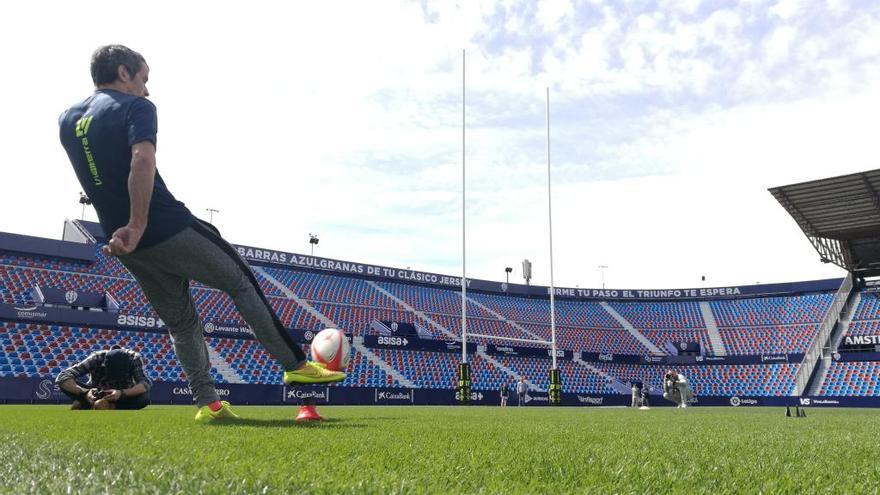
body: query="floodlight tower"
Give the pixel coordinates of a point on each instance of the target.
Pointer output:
(84, 200)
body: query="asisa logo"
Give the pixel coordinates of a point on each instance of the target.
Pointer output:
(139, 321)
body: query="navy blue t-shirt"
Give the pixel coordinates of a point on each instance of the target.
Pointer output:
(98, 134)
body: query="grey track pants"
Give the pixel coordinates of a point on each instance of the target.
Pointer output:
(199, 253)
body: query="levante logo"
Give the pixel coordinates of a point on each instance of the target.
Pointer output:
(70, 296)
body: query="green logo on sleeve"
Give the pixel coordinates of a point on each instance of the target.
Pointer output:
(82, 129)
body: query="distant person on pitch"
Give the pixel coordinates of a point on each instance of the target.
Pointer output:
(505, 393)
(677, 389)
(110, 138)
(521, 390)
(116, 381)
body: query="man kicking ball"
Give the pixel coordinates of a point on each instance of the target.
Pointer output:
(110, 138)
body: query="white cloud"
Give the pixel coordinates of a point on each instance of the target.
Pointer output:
(550, 12)
(786, 9)
(667, 128)
(779, 44)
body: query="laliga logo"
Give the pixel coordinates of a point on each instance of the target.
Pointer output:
(44, 389)
(70, 296)
(309, 335)
(683, 345)
(503, 287)
(734, 401)
(836, 356)
(209, 328)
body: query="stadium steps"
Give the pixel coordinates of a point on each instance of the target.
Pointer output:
(223, 367)
(821, 374)
(715, 339)
(631, 329)
(611, 381)
(291, 295)
(433, 324)
(820, 347)
(845, 321)
(824, 364)
(358, 344)
(76, 232)
(481, 351)
(505, 320)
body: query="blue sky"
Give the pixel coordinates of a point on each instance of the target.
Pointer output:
(669, 122)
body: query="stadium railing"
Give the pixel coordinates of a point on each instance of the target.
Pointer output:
(814, 353)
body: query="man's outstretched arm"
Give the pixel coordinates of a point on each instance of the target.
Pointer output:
(140, 191)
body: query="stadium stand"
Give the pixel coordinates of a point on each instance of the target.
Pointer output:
(859, 379)
(661, 315)
(750, 326)
(771, 311)
(43, 351)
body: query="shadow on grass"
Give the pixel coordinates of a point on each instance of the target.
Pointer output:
(286, 423)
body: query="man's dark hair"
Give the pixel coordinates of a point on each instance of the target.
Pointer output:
(116, 364)
(107, 59)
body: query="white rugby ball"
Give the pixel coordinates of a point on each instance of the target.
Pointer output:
(331, 347)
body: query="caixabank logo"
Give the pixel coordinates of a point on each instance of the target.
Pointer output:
(394, 396)
(293, 394)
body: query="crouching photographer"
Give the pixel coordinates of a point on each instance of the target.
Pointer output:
(677, 389)
(116, 381)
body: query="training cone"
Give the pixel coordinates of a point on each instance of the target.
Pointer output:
(787, 411)
(308, 413)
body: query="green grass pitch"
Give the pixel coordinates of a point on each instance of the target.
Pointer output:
(48, 449)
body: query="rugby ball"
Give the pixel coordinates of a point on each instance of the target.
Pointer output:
(331, 348)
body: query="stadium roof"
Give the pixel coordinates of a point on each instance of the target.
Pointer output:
(841, 217)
